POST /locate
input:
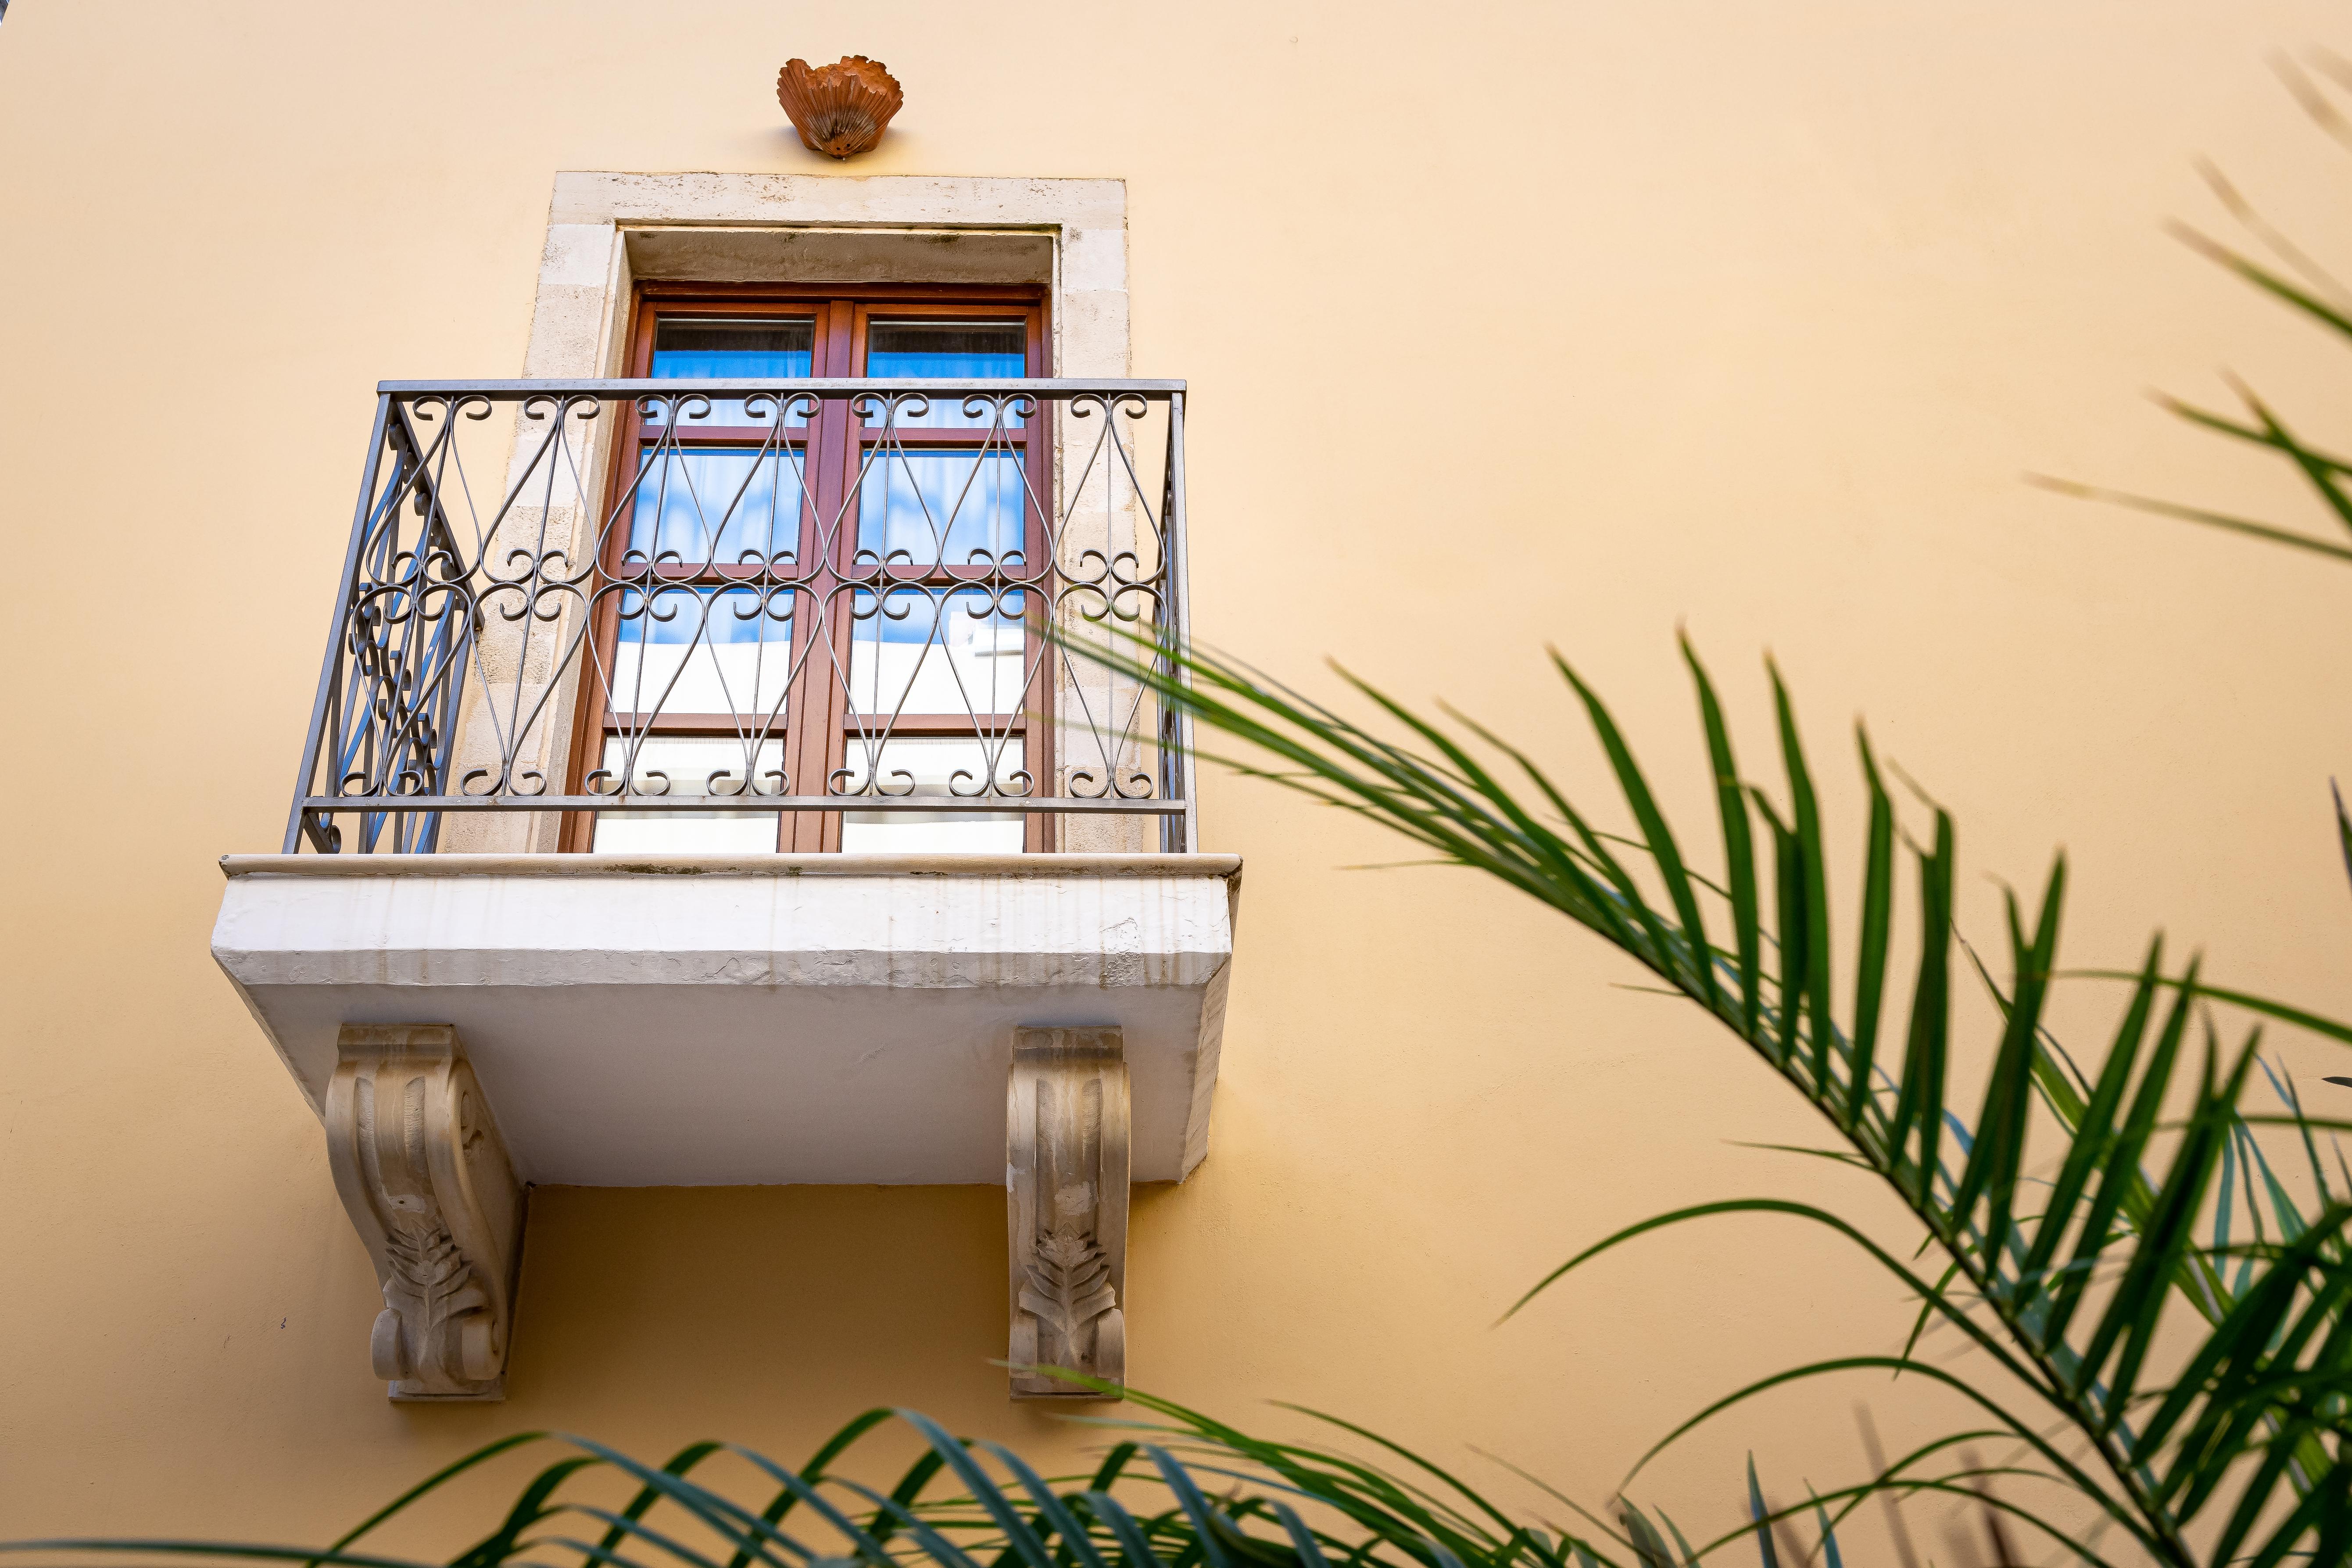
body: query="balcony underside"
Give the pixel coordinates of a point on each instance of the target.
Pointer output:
(746, 1020)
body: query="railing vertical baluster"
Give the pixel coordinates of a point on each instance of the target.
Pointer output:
(453, 639)
(362, 739)
(1176, 726)
(331, 666)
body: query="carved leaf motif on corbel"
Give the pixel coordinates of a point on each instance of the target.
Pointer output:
(1068, 1289)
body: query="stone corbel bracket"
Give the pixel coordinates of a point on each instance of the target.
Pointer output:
(1066, 1170)
(423, 1174)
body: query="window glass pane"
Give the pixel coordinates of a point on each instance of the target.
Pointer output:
(940, 509)
(766, 349)
(946, 350)
(933, 761)
(727, 506)
(690, 650)
(688, 761)
(935, 650)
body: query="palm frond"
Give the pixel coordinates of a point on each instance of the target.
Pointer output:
(2070, 1283)
(1182, 1490)
(1177, 1490)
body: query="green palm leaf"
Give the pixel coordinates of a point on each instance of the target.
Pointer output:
(1182, 1490)
(2079, 1298)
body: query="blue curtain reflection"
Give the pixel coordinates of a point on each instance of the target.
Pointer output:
(704, 362)
(684, 650)
(941, 507)
(946, 350)
(923, 650)
(717, 504)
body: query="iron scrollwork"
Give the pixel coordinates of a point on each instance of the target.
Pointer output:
(496, 597)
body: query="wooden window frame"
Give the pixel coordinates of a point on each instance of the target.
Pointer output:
(818, 722)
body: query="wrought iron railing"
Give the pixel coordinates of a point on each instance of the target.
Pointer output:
(596, 606)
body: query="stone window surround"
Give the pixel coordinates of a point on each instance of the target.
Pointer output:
(605, 230)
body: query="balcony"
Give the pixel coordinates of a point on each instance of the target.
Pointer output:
(708, 784)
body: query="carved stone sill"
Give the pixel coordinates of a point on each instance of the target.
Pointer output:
(753, 1020)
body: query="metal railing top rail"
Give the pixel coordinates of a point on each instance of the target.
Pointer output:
(496, 598)
(636, 386)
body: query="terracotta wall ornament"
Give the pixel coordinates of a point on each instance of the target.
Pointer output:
(839, 111)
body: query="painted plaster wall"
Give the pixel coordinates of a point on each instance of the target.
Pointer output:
(1507, 324)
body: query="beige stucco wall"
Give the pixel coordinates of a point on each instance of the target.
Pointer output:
(1505, 324)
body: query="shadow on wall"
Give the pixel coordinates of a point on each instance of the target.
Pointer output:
(847, 1296)
(773, 1307)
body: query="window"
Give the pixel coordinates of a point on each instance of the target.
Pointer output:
(822, 596)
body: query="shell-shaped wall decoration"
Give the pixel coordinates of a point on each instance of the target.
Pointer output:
(839, 111)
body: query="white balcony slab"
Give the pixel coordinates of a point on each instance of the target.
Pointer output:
(750, 1020)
